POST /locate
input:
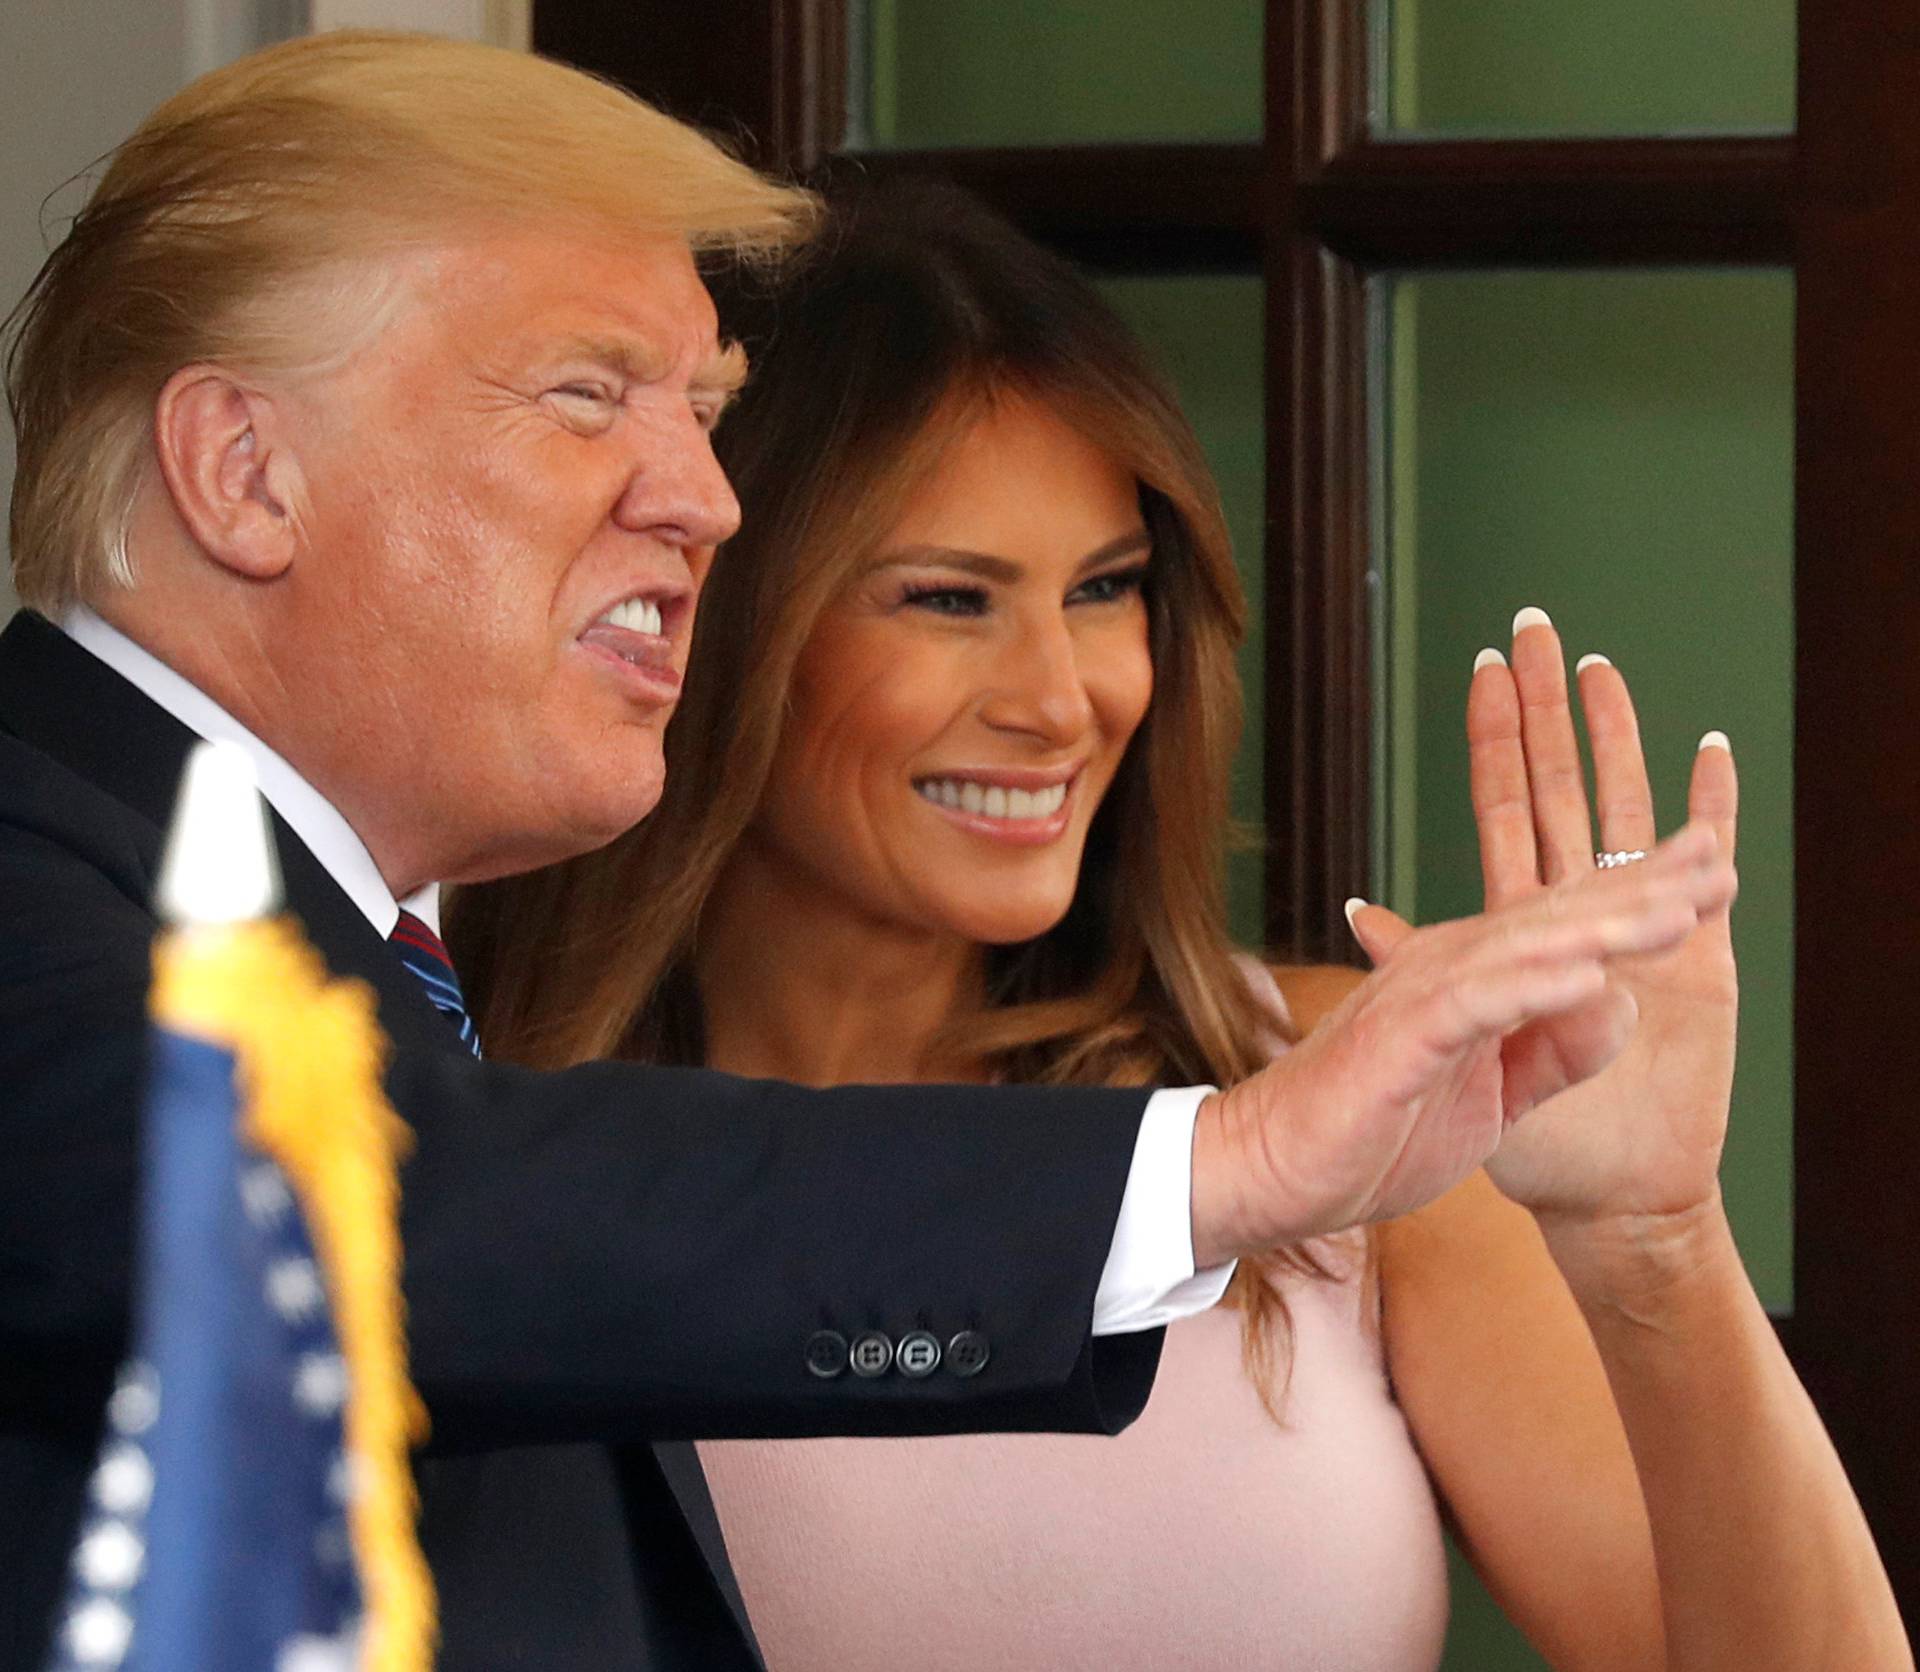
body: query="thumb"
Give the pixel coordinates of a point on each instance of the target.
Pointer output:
(1378, 930)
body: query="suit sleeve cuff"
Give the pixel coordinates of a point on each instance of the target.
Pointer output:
(1149, 1279)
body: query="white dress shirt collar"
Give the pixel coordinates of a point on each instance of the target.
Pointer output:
(314, 819)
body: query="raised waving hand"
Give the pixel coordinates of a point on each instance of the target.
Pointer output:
(1644, 1136)
(1463, 1029)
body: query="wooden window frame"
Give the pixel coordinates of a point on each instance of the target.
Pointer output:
(1320, 205)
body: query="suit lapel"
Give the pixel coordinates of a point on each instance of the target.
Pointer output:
(687, 1481)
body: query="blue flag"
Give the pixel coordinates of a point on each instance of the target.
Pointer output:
(216, 1538)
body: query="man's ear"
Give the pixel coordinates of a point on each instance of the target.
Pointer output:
(230, 471)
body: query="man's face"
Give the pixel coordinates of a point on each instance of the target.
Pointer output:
(509, 505)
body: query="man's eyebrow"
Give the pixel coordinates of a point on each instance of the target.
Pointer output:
(725, 370)
(631, 357)
(991, 568)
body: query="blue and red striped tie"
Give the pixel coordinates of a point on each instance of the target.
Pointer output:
(423, 952)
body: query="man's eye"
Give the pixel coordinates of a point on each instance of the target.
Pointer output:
(947, 600)
(585, 408)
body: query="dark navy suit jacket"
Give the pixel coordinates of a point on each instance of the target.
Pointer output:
(601, 1264)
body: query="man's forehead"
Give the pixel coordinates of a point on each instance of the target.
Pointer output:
(637, 303)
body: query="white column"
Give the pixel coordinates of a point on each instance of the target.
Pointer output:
(75, 78)
(503, 22)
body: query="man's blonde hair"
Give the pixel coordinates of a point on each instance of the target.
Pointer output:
(251, 219)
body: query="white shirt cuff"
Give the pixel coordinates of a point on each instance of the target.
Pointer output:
(1149, 1278)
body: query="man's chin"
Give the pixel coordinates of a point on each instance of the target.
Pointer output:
(598, 825)
(584, 827)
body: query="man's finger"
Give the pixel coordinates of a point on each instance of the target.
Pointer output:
(1378, 930)
(1642, 908)
(1559, 789)
(1484, 1004)
(1497, 775)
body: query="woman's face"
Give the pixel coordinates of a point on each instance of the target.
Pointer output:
(962, 708)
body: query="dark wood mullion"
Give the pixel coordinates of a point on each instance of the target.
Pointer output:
(809, 83)
(1318, 641)
(1453, 203)
(1555, 202)
(1318, 633)
(1152, 208)
(768, 76)
(1856, 1329)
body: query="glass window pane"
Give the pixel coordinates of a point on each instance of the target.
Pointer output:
(1618, 449)
(1005, 72)
(1206, 334)
(1569, 67)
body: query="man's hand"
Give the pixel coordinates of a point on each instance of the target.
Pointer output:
(1409, 1085)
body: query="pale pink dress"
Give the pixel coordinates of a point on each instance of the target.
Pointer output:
(1203, 1539)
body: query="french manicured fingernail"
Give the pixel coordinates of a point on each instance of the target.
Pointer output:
(1716, 740)
(1592, 660)
(1489, 658)
(1530, 617)
(1353, 909)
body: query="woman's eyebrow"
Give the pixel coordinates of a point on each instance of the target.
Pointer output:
(1139, 540)
(1005, 570)
(984, 564)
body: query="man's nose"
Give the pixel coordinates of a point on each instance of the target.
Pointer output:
(678, 492)
(1039, 686)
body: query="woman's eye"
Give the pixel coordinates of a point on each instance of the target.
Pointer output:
(947, 600)
(1106, 589)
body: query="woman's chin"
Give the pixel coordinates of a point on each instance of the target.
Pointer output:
(1000, 925)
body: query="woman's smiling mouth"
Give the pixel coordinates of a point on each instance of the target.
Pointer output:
(1026, 813)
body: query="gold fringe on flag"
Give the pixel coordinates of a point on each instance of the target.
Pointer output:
(309, 1052)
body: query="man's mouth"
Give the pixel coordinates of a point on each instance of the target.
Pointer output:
(634, 633)
(636, 615)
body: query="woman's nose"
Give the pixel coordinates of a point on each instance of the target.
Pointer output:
(1039, 686)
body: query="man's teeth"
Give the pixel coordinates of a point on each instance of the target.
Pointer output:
(636, 615)
(992, 801)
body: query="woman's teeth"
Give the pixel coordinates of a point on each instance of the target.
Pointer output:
(992, 801)
(636, 615)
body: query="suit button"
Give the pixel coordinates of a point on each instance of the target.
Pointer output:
(918, 1354)
(872, 1353)
(967, 1353)
(826, 1353)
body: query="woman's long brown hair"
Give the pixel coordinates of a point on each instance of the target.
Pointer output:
(917, 309)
